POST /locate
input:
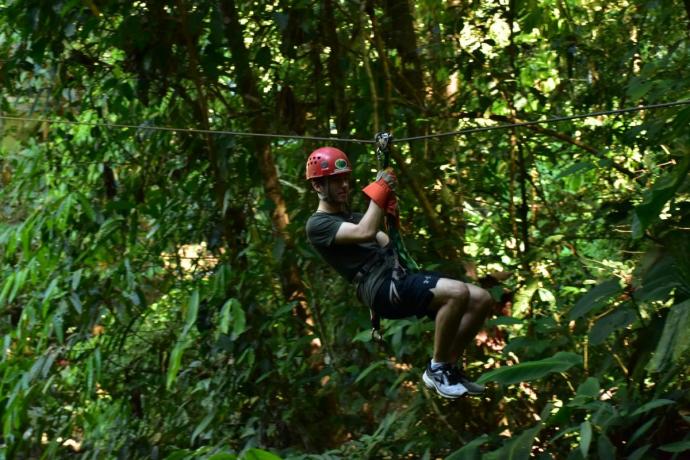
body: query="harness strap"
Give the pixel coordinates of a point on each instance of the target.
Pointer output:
(398, 271)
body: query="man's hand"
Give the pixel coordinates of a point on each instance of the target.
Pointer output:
(381, 190)
(389, 176)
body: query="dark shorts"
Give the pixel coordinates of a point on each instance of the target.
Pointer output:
(409, 296)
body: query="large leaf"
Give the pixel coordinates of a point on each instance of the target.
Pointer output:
(658, 280)
(674, 339)
(523, 298)
(610, 323)
(259, 454)
(639, 452)
(232, 314)
(605, 447)
(520, 447)
(680, 446)
(192, 312)
(651, 405)
(585, 437)
(595, 298)
(532, 370)
(469, 451)
(656, 198)
(223, 456)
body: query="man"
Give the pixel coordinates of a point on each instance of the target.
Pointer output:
(353, 244)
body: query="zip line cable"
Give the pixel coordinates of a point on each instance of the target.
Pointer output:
(180, 130)
(548, 120)
(461, 132)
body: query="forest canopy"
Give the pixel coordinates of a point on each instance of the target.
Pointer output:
(159, 298)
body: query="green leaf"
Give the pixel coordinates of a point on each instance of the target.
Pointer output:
(19, 280)
(682, 119)
(605, 447)
(224, 316)
(659, 280)
(89, 374)
(48, 293)
(674, 338)
(238, 318)
(585, 437)
(531, 370)
(580, 167)
(192, 312)
(656, 198)
(651, 405)
(546, 296)
(202, 426)
(58, 327)
(610, 323)
(504, 321)
(362, 336)
(520, 447)
(595, 298)
(223, 456)
(639, 453)
(175, 363)
(6, 288)
(639, 87)
(523, 297)
(680, 446)
(589, 387)
(181, 454)
(76, 278)
(469, 451)
(642, 430)
(368, 370)
(259, 454)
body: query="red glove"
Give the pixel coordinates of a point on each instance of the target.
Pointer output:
(382, 189)
(392, 205)
(392, 209)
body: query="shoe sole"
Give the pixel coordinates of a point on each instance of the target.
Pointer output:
(474, 393)
(432, 385)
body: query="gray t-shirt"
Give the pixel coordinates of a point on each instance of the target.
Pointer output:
(348, 259)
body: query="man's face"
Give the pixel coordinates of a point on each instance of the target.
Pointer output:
(336, 188)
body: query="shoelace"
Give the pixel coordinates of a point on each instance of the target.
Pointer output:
(452, 373)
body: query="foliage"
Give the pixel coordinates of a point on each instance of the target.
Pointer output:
(158, 298)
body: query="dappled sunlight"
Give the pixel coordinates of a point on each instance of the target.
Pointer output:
(162, 298)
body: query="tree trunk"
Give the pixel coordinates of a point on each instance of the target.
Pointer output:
(399, 34)
(248, 90)
(335, 70)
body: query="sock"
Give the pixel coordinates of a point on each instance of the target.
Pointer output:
(435, 364)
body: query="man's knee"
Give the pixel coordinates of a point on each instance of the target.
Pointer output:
(453, 290)
(484, 301)
(460, 292)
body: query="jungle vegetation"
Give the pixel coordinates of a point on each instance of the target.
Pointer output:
(158, 297)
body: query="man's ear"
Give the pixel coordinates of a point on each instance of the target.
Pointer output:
(317, 185)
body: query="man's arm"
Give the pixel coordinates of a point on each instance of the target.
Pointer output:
(365, 230)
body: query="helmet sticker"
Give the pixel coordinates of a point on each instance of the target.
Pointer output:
(340, 164)
(324, 165)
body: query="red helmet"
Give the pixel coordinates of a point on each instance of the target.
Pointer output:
(327, 161)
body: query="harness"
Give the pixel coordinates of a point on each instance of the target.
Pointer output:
(402, 261)
(381, 256)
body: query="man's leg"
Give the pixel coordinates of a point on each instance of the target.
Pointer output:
(461, 310)
(478, 308)
(450, 302)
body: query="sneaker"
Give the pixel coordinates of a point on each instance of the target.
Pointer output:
(446, 380)
(472, 387)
